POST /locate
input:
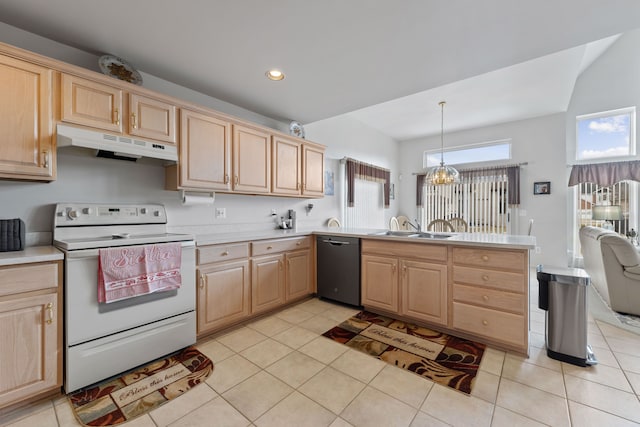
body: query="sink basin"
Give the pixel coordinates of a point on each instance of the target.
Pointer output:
(431, 235)
(395, 233)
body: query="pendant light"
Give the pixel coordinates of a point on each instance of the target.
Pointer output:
(440, 175)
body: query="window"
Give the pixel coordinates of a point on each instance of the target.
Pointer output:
(496, 150)
(482, 199)
(606, 135)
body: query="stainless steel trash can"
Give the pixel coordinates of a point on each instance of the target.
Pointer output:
(562, 294)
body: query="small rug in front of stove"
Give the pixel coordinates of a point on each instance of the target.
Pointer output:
(440, 357)
(136, 392)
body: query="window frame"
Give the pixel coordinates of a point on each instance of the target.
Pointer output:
(468, 147)
(633, 143)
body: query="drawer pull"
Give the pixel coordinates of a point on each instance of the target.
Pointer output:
(134, 121)
(485, 322)
(485, 257)
(269, 248)
(225, 253)
(485, 277)
(49, 313)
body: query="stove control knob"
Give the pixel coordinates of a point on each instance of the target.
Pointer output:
(87, 211)
(156, 213)
(73, 214)
(143, 211)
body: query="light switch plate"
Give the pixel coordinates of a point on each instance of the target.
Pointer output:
(221, 213)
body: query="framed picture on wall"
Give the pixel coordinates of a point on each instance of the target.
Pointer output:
(542, 187)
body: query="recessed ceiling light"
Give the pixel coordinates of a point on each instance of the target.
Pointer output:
(275, 75)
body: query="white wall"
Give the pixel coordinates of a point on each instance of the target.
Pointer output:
(83, 178)
(540, 143)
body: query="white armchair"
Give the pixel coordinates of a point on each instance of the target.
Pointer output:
(614, 266)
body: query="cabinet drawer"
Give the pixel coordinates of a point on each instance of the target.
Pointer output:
(266, 247)
(509, 260)
(225, 252)
(496, 325)
(514, 282)
(26, 278)
(489, 298)
(409, 250)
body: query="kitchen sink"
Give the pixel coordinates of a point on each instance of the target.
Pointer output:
(395, 233)
(425, 235)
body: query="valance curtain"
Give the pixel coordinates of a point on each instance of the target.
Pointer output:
(511, 172)
(605, 174)
(367, 172)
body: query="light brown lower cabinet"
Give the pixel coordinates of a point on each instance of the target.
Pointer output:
(239, 280)
(484, 297)
(30, 331)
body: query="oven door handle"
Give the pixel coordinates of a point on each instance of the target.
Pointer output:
(87, 253)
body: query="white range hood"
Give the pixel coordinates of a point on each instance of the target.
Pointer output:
(114, 146)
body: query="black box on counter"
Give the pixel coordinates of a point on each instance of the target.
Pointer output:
(12, 233)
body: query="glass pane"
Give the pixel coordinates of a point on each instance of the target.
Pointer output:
(484, 153)
(604, 136)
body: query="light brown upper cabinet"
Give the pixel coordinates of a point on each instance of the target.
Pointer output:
(26, 121)
(313, 170)
(97, 105)
(251, 160)
(286, 171)
(205, 153)
(151, 118)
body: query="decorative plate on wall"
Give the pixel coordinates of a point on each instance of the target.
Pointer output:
(118, 68)
(296, 129)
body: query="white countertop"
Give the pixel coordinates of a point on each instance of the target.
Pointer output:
(464, 239)
(31, 254)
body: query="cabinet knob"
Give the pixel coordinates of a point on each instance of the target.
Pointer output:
(134, 121)
(485, 277)
(269, 248)
(485, 297)
(116, 117)
(485, 322)
(49, 313)
(298, 243)
(485, 257)
(225, 253)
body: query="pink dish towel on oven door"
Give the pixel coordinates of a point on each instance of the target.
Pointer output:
(126, 272)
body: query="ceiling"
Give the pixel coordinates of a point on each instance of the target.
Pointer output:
(387, 63)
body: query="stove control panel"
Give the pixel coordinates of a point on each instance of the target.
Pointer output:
(70, 214)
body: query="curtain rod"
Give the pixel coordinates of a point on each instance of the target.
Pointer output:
(485, 168)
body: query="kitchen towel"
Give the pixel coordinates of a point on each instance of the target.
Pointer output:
(130, 271)
(12, 233)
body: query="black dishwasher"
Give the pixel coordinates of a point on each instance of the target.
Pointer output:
(338, 268)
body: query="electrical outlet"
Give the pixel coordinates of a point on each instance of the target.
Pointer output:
(221, 213)
(538, 250)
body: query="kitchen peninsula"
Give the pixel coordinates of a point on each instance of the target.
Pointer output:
(469, 284)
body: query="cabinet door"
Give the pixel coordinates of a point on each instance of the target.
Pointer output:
(267, 283)
(313, 170)
(286, 165)
(298, 280)
(151, 118)
(26, 121)
(251, 160)
(223, 295)
(91, 104)
(424, 291)
(29, 351)
(380, 282)
(205, 151)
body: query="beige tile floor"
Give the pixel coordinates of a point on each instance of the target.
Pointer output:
(279, 371)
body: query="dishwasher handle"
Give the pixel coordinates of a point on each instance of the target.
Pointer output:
(335, 242)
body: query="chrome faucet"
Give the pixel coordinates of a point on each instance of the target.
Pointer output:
(416, 225)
